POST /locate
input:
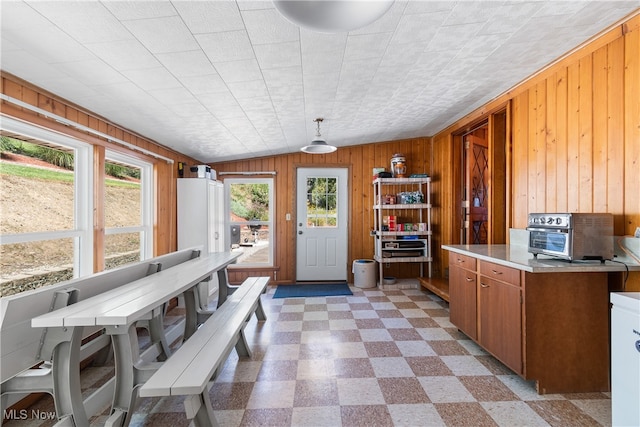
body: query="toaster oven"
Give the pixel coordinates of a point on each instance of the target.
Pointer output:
(571, 236)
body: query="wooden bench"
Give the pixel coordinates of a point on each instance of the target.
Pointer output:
(190, 369)
(23, 347)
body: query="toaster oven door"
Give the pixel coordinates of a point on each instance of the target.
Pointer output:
(555, 242)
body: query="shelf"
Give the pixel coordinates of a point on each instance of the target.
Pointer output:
(404, 206)
(402, 233)
(408, 213)
(384, 260)
(439, 287)
(396, 181)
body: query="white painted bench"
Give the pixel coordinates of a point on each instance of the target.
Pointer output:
(190, 369)
(23, 347)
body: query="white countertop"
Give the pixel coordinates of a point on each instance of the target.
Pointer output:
(518, 257)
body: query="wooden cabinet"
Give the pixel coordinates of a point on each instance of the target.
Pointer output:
(551, 328)
(463, 301)
(500, 315)
(485, 304)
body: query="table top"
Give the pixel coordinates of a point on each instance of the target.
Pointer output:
(128, 303)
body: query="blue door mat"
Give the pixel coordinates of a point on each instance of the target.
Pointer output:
(303, 290)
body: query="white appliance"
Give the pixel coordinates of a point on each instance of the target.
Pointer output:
(625, 358)
(201, 220)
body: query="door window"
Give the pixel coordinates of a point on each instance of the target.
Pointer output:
(322, 202)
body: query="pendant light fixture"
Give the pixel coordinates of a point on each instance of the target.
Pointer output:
(318, 145)
(332, 16)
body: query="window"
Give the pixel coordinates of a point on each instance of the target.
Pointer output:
(45, 203)
(250, 202)
(321, 202)
(128, 208)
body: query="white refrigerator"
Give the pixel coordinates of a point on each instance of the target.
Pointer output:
(625, 358)
(201, 219)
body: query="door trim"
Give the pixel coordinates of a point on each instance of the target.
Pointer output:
(293, 228)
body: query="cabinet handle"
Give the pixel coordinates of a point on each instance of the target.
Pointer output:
(484, 285)
(460, 261)
(496, 272)
(469, 279)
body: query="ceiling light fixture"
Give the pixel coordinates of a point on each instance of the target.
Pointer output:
(318, 145)
(332, 16)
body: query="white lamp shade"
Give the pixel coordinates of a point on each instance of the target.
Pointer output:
(318, 146)
(332, 16)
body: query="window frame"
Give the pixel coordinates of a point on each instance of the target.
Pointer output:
(82, 232)
(146, 202)
(228, 182)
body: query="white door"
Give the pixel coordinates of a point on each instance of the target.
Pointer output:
(322, 235)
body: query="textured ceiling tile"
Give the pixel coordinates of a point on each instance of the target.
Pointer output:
(124, 54)
(152, 78)
(177, 95)
(227, 46)
(87, 22)
(248, 89)
(217, 99)
(90, 71)
(48, 43)
(509, 18)
(210, 16)
(278, 55)
(366, 46)
(161, 35)
(239, 71)
(418, 29)
(287, 77)
(130, 10)
(420, 67)
(209, 83)
(268, 26)
(186, 64)
(190, 109)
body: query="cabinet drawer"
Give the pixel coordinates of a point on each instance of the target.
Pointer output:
(462, 261)
(500, 272)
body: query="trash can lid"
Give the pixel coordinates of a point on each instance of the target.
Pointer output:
(364, 261)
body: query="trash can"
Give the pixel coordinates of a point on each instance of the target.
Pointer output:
(364, 273)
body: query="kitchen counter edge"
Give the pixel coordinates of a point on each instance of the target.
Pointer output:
(518, 257)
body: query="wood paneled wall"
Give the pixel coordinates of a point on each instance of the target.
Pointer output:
(360, 160)
(165, 239)
(575, 146)
(575, 143)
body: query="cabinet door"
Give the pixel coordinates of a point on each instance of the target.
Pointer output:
(463, 300)
(500, 317)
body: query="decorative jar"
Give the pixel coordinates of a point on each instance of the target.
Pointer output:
(398, 165)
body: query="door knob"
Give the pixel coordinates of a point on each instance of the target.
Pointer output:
(299, 232)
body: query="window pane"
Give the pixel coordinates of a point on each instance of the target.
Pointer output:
(37, 188)
(250, 220)
(122, 196)
(25, 266)
(121, 249)
(249, 202)
(321, 202)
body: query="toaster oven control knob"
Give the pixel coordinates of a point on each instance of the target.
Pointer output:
(549, 220)
(558, 220)
(541, 220)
